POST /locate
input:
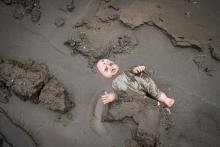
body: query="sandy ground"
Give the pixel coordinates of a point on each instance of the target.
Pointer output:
(197, 105)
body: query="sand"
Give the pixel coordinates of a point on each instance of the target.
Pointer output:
(195, 113)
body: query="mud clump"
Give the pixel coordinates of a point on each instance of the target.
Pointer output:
(147, 132)
(25, 7)
(19, 12)
(88, 24)
(30, 80)
(201, 63)
(55, 97)
(4, 93)
(107, 19)
(215, 50)
(59, 22)
(35, 15)
(131, 17)
(25, 80)
(107, 15)
(70, 5)
(123, 44)
(80, 44)
(81, 23)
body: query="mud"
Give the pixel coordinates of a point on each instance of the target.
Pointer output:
(80, 44)
(81, 24)
(4, 142)
(25, 80)
(167, 35)
(106, 15)
(160, 14)
(35, 15)
(55, 96)
(4, 93)
(70, 5)
(130, 143)
(201, 63)
(214, 50)
(149, 117)
(24, 8)
(59, 22)
(12, 130)
(29, 81)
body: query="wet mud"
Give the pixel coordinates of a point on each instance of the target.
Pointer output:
(193, 14)
(80, 44)
(24, 8)
(69, 36)
(4, 93)
(151, 119)
(11, 131)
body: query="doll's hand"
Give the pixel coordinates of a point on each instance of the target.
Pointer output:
(108, 97)
(138, 69)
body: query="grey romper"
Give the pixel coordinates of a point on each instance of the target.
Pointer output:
(140, 84)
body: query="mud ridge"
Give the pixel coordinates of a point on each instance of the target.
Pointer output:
(182, 42)
(178, 43)
(214, 53)
(20, 127)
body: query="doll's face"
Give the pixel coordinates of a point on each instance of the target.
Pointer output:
(107, 68)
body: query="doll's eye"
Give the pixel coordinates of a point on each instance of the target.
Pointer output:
(110, 64)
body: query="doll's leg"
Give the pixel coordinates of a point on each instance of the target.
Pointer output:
(149, 86)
